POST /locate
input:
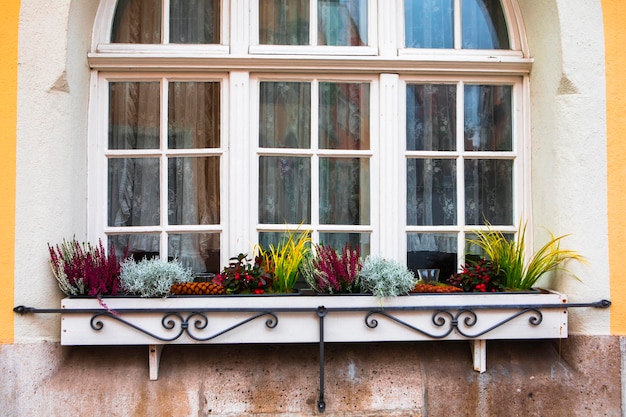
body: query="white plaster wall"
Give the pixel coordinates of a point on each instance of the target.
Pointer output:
(53, 85)
(569, 144)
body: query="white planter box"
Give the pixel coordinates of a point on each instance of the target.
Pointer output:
(298, 319)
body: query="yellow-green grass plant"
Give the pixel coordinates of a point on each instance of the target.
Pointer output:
(285, 258)
(522, 273)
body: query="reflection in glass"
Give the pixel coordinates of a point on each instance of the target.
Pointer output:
(488, 118)
(284, 190)
(431, 192)
(337, 241)
(198, 251)
(137, 21)
(429, 23)
(344, 119)
(489, 191)
(193, 195)
(193, 115)
(432, 250)
(344, 191)
(285, 115)
(139, 246)
(284, 22)
(430, 117)
(484, 25)
(342, 22)
(133, 198)
(134, 115)
(195, 21)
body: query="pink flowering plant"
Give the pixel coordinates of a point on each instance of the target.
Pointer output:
(243, 276)
(84, 269)
(330, 271)
(481, 275)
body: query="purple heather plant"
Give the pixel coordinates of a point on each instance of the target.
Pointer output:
(84, 269)
(331, 271)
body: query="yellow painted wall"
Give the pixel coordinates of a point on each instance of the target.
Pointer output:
(614, 13)
(9, 19)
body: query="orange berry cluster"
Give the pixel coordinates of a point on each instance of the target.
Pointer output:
(432, 288)
(197, 288)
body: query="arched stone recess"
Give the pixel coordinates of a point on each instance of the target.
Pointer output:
(567, 96)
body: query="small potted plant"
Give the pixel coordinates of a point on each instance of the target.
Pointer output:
(386, 277)
(479, 276)
(329, 271)
(242, 276)
(284, 259)
(152, 277)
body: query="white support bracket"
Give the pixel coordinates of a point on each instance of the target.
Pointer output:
(479, 354)
(154, 357)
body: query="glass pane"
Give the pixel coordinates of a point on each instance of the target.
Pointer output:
(484, 26)
(133, 192)
(344, 191)
(137, 21)
(431, 192)
(194, 115)
(430, 117)
(355, 240)
(283, 22)
(428, 23)
(284, 190)
(488, 191)
(134, 115)
(139, 246)
(342, 22)
(195, 21)
(198, 251)
(285, 115)
(344, 117)
(432, 251)
(194, 190)
(488, 118)
(473, 252)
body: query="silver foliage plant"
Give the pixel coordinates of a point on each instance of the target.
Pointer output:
(386, 277)
(152, 277)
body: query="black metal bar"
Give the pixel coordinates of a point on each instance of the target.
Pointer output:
(321, 404)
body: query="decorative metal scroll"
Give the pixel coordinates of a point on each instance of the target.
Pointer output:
(176, 320)
(450, 321)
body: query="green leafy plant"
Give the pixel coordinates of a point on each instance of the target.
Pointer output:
(152, 277)
(386, 278)
(284, 259)
(84, 269)
(509, 256)
(327, 270)
(244, 276)
(479, 276)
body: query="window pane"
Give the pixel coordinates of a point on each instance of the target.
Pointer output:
(342, 22)
(344, 119)
(283, 22)
(198, 251)
(194, 115)
(431, 117)
(195, 21)
(432, 251)
(134, 115)
(429, 23)
(484, 26)
(140, 245)
(194, 190)
(137, 21)
(473, 252)
(431, 192)
(488, 191)
(488, 118)
(133, 192)
(344, 191)
(338, 241)
(284, 190)
(285, 115)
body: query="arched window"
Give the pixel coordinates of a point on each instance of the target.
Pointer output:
(398, 126)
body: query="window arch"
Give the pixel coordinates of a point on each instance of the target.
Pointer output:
(350, 118)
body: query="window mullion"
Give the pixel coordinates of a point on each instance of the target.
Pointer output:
(460, 169)
(458, 24)
(165, 22)
(313, 23)
(163, 171)
(315, 161)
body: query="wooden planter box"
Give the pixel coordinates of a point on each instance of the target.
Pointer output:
(313, 319)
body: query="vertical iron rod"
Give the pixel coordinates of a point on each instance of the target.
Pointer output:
(321, 404)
